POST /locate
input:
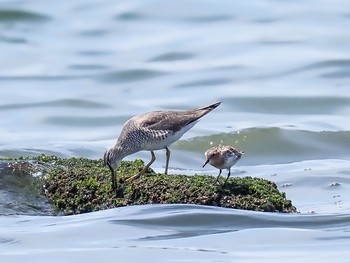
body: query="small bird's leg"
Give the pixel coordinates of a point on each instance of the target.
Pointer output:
(217, 178)
(144, 168)
(114, 178)
(167, 160)
(229, 173)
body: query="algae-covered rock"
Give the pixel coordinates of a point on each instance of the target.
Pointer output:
(79, 185)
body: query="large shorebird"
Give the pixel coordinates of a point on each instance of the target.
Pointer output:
(223, 157)
(152, 131)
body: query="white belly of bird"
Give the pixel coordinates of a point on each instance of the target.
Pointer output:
(230, 162)
(161, 144)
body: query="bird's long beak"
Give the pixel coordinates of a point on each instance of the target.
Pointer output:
(114, 179)
(207, 161)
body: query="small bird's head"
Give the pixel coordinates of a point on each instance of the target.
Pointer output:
(211, 154)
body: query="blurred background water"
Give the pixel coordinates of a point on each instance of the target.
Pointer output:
(72, 72)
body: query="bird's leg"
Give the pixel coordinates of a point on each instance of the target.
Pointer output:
(114, 178)
(144, 168)
(217, 178)
(229, 173)
(167, 160)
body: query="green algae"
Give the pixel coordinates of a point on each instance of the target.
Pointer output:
(80, 185)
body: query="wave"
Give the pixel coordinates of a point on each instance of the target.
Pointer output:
(276, 145)
(200, 220)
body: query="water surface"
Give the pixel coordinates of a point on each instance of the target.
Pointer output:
(73, 73)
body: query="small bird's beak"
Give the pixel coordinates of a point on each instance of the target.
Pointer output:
(207, 161)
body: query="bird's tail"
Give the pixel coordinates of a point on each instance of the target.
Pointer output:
(196, 114)
(205, 110)
(210, 107)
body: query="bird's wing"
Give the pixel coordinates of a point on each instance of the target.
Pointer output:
(167, 121)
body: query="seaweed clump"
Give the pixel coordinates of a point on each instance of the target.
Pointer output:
(80, 185)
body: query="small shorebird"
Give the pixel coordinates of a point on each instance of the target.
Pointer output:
(152, 131)
(223, 157)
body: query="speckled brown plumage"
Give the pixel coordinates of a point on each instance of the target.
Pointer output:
(152, 131)
(223, 157)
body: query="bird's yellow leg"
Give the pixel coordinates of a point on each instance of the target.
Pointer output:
(144, 168)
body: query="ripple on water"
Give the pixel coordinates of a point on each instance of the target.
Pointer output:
(129, 75)
(79, 121)
(13, 16)
(289, 105)
(205, 82)
(172, 56)
(336, 68)
(64, 103)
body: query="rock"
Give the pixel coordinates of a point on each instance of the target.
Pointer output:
(80, 185)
